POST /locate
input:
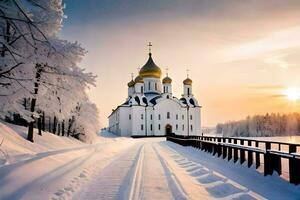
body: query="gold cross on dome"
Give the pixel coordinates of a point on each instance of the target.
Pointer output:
(167, 70)
(149, 45)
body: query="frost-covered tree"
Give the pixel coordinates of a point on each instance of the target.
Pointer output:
(36, 65)
(262, 125)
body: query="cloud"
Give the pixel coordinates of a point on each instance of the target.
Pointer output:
(278, 60)
(276, 41)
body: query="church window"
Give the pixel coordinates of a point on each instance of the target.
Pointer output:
(151, 127)
(191, 117)
(142, 116)
(158, 126)
(151, 116)
(155, 86)
(149, 84)
(182, 117)
(176, 116)
(176, 127)
(167, 96)
(142, 127)
(183, 127)
(164, 89)
(168, 115)
(142, 89)
(159, 117)
(192, 128)
(129, 117)
(188, 91)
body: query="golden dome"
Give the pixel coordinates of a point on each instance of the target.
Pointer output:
(150, 69)
(187, 81)
(138, 79)
(167, 80)
(131, 83)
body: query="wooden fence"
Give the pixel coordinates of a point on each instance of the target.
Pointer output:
(239, 148)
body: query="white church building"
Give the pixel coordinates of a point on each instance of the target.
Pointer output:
(151, 109)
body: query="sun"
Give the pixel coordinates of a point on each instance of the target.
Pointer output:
(293, 94)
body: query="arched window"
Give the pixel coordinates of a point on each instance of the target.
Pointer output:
(158, 126)
(155, 86)
(142, 89)
(168, 115)
(188, 91)
(159, 117)
(151, 127)
(192, 128)
(149, 85)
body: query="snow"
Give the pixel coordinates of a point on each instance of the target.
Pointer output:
(124, 168)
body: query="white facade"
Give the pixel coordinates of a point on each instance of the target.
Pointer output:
(151, 110)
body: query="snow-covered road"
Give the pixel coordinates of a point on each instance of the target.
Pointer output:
(125, 168)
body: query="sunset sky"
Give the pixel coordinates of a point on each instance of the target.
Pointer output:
(242, 55)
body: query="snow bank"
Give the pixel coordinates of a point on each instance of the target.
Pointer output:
(15, 146)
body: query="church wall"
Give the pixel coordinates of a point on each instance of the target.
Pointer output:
(162, 108)
(114, 122)
(138, 120)
(125, 118)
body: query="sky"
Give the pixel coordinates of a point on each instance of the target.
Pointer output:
(243, 56)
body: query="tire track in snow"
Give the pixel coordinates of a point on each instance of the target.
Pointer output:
(112, 181)
(176, 188)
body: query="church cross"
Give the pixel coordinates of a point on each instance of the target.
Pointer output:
(149, 45)
(132, 75)
(187, 73)
(167, 70)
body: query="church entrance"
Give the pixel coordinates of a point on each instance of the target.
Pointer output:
(168, 129)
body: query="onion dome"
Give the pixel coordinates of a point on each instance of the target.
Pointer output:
(187, 81)
(150, 69)
(131, 83)
(138, 79)
(167, 80)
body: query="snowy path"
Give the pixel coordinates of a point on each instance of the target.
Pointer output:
(125, 168)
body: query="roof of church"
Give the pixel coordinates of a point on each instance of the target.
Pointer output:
(187, 81)
(167, 80)
(150, 69)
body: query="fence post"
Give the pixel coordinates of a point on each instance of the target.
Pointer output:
(242, 152)
(224, 148)
(268, 168)
(229, 151)
(250, 154)
(219, 147)
(235, 152)
(294, 164)
(257, 156)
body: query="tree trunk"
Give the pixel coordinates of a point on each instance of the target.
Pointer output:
(70, 126)
(33, 101)
(63, 128)
(43, 121)
(54, 125)
(40, 125)
(58, 129)
(49, 124)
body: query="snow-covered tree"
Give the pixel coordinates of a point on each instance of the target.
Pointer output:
(36, 65)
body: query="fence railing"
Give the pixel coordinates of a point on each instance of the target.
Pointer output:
(239, 148)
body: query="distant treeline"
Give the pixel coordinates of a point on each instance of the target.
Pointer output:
(262, 125)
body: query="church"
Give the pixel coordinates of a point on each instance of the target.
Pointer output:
(151, 109)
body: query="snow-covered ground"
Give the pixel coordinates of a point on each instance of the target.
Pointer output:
(124, 168)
